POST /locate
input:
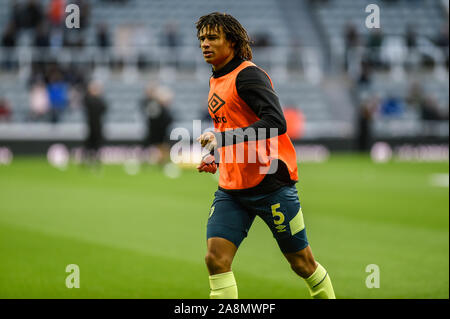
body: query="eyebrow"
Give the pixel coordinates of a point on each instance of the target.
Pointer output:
(208, 35)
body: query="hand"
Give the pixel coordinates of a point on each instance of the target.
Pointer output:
(208, 140)
(208, 164)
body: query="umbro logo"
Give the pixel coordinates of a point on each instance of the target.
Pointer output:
(215, 103)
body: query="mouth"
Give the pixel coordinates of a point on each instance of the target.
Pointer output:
(207, 54)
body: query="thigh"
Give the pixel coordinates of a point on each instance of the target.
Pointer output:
(282, 213)
(228, 219)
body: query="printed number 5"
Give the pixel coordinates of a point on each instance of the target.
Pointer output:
(277, 214)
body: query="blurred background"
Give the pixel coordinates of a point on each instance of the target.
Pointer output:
(112, 90)
(334, 76)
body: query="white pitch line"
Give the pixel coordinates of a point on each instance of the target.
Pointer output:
(440, 180)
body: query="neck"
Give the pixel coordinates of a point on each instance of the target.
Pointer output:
(217, 67)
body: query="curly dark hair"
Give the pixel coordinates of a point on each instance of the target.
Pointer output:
(233, 30)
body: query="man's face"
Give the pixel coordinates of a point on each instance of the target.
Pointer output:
(216, 49)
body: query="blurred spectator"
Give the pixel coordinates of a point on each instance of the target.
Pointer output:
(415, 94)
(73, 38)
(56, 38)
(374, 43)
(391, 106)
(427, 106)
(365, 75)
(429, 110)
(74, 75)
(76, 95)
(442, 38)
(5, 110)
(39, 100)
(262, 40)
(122, 45)
(441, 41)
(56, 12)
(58, 95)
(85, 12)
(295, 55)
(141, 40)
(365, 116)
(9, 36)
(155, 107)
(351, 39)
(411, 44)
(295, 122)
(32, 14)
(8, 41)
(42, 36)
(38, 73)
(103, 39)
(171, 40)
(170, 35)
(95, 108)
(411, 37)
(17, 14)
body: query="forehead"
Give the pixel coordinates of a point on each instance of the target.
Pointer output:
(210, 30)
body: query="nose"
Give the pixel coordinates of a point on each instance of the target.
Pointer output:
(205, 44)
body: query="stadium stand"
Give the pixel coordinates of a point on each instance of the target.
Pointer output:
(298, 35)
(409, 52)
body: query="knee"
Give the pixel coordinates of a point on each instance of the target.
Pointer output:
(217, 263)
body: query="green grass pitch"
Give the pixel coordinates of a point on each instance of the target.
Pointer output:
(143, 236)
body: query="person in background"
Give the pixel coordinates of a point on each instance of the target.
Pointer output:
(95, 109)
(58, 95)
(351, 37)
(392, 106)
(155, 107)
(56, 12)
(42, 36)
(17, 13)
(9, 36)
(9, 41)
(374, 44)
(441, 40)
(32, 14)
(411, 38)
(39, 101)
(425, 105)
(85, 12)
(295, 122)
(365, 116)
(5, 110)
(171, 40)
(103, 40)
